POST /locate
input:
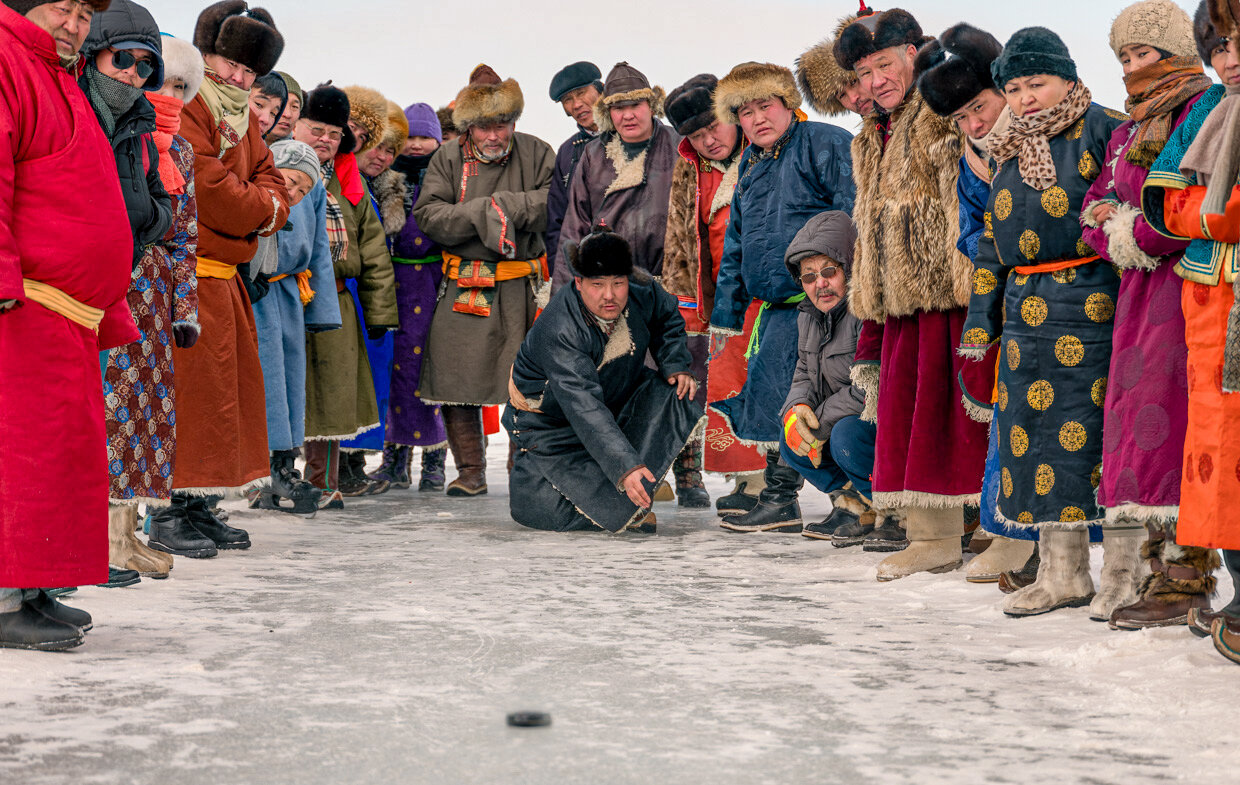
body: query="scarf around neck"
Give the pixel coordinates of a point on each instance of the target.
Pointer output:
(1155, 92)
(1029, 138)
(1213, 156)
(110, 97)
(977, 151)
(230, 106)
(167, 125)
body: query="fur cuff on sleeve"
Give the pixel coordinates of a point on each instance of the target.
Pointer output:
(192, 325)
(723, 332)
(975, 411)
(973, 352)
(1087, 212)
(865, 377)
(1120, 230)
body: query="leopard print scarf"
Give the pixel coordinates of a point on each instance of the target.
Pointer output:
(1029, 138)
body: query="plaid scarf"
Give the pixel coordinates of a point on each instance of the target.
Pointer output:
(337, 234)
(1029, 138)
(1154, 94)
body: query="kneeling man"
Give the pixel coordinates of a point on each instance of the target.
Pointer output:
(594, 427)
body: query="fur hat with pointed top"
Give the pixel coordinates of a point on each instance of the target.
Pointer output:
(626, 85)
(874, 33)
(601, 252)
(329, 105)
(954, 68)
(233, 30)
(368, 108)
(487, 99)
(751, 82)
(820, 76)
(691, 107)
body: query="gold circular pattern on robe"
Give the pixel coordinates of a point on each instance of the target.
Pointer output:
(984, 281)
(1019, 441)
(975, 337)
(1055, 201)
(1033, 310)
(1064, 276)
(1003, 204)
(1043, 479)
(1013, 354)
(1069, 350)
(1072, 436)
(1076, 130)
(1025, 517)
(1083, 248)
(1095, 477)
(1007, 483)
(1071, 515)
(1098, 392)
(1088, 166)
(1003, 397)
(1041, 395)
(1099, 307)
(1020, 279)
(1030, 243)
(988, 220)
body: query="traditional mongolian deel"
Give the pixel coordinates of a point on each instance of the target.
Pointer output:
(591, 411)
(1056, 339)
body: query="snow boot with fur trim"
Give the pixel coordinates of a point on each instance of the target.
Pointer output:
(1063, 575)
(934, 543)
(1004, 554)
(1180, 580)
(1123, 571)
(126, 551)
(848, 507)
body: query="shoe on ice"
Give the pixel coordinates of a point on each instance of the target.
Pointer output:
(647, 525)
(737, 503)
(852, 533)
(1063, 576)
(1181, 579)
(433, 469)
(849, 509)
(696, 498)
(288, 492)
(1201, 620)
(224, 536)
(1226, 634)
(28, 628)
(662, 492)
(934, 543)
(1003, 554)
(118, 578)
(331, 501)
(41, 602)
(766, 517)
(172, 533)
(393, 472)
(889, 536)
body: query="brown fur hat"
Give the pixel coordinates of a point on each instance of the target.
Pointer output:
(820, 76)
(444, 115)
(948, 83)
(231, 29)
(369, 109)
(397, 128)
(1208, 39)
(1225, 14)
(874, 33)
(750, 82)
(487, 99)
(626, 85)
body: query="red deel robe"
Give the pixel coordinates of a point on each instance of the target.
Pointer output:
(63, 223)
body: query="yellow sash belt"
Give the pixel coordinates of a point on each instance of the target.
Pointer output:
(209, 268)
(57, 301)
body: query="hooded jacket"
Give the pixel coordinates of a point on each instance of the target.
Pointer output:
(137, 158)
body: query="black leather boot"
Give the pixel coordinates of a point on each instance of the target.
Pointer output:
(224, 536)
(777, 508)
(172, 533)
(28, 628)
(43, 603)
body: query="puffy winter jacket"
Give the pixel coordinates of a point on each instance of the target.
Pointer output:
(826, 344)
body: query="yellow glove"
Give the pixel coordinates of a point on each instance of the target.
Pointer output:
(799, 425)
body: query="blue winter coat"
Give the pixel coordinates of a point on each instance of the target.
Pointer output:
(974, 193)
(557, 198)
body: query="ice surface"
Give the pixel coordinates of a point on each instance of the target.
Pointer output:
(386, 644)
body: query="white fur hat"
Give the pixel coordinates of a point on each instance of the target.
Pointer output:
(182, 60)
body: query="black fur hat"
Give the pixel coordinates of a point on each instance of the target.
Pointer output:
(948, 83)
(691, 106)
(873, 33)
(601, 252)
(1033, 50)
(1208, 39)
(232, 29)
(329, 104)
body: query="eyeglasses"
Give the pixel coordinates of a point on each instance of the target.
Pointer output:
(123, 59)
(321, 132)
(828, 271)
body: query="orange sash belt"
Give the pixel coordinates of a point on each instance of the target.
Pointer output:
(304, 292)
(209, 268)
(1054, 267)
(504, 271)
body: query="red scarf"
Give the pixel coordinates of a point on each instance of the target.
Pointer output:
(167, 125)
(350, 178)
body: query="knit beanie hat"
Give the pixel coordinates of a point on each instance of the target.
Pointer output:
(1206, 37)
(292, 154)
(1158, 23)
(424, 122)
(1033, 50)
(831, 233)
(691, 107)
(24, 7)
(570, 77)
(231, 29)
(601, 252)
(293, 87)
(183, 61)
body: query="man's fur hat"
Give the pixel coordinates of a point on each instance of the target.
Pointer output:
(691, 107)
(329, 105)
(751, 82)
(487, 99)
(949, 82)
(397, 128)
(820, 76)
(874, 33)
(232, 29)
(601, 252)
(369, 109)
(626, 85)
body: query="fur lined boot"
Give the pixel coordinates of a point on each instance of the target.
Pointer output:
(744, 494)
(934, 543)
(126, 551)
(1063, 575)
(848, 506)
(1123, 571)
(1181, 579)
(1004, 554)
(687, 469)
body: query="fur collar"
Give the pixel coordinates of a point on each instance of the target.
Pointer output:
(727, 186)
(389, 192)
(629, 174)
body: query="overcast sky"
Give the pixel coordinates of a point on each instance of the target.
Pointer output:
(418, 51)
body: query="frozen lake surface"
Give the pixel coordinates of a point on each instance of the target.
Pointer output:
(386, 644)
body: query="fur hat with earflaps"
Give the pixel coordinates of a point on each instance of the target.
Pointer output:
(233, 30)
(601, 252)
(626, 85)
(487, 100)
(751, 82)
(368, 108)
(1225, 14)
(954, 68)
(329, 105)
(820, 76)
(691, 107)
(397, 128)
(1204, 33)
(874, 33)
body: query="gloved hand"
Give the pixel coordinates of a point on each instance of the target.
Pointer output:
(184, 335)
(799, 425)
(376, 333)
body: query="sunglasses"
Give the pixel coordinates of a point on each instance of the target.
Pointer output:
(828, 271)
(123, 59)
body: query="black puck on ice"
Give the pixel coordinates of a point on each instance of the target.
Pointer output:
(529, 719)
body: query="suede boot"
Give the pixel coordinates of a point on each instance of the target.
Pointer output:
(777, 508)
(434, 463)
(1004, 554)
(322, 464)
(1123, 571)
(126, 551)
(464, 426)
(1063, 575)
(1181, 579)
(934, 543)
(744, 494)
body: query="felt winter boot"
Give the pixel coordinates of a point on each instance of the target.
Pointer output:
(1180, 580)
(464, 426)
(690, 491)
(1002, 555)
(394, 470)
(1123, 571)
(1063, 575)
(934, 543)
(777, 509)
(434, 463)
(848, 506)
(744, 494)
(126, 551)
(1201, 620)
